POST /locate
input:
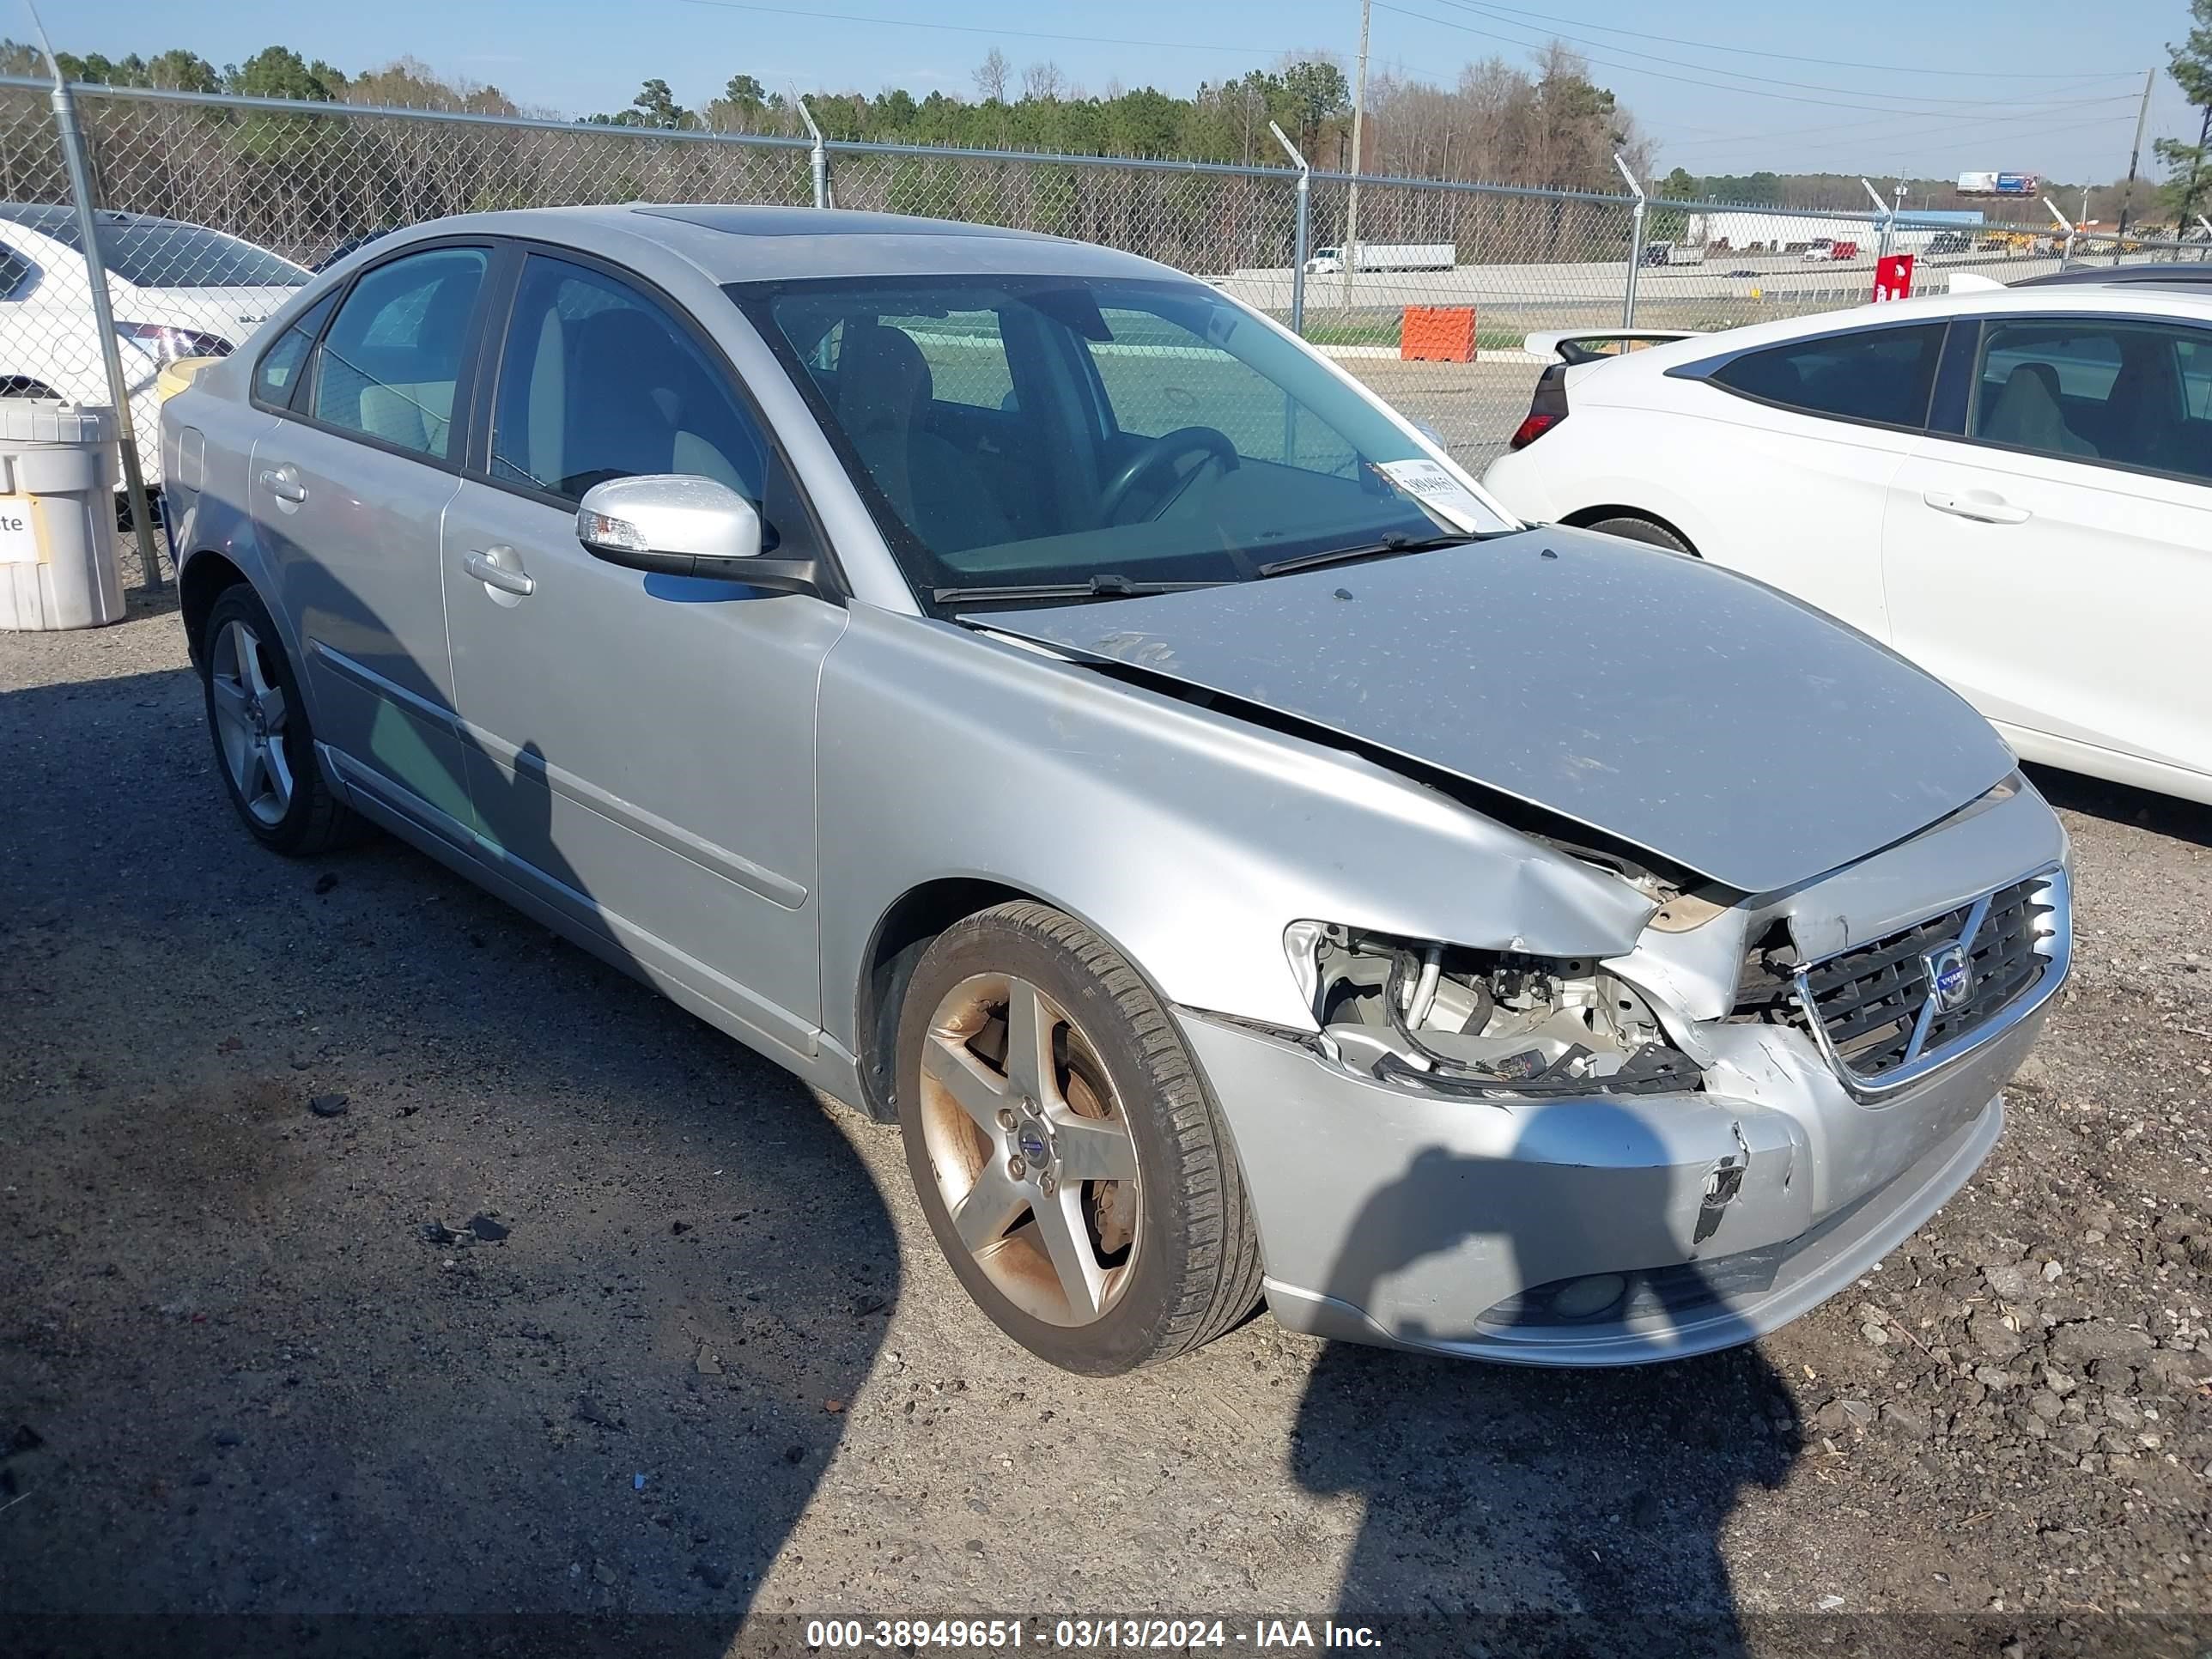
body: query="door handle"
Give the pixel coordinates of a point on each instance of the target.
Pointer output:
(1978, 504)
(498, 568)
(284, 483)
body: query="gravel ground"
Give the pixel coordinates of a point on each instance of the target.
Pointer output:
(364, 1249)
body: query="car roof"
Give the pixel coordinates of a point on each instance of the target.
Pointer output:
(743, 244)
(48, 218)
(2182, 275)
(2186, 302)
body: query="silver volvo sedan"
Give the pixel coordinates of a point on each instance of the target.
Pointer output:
(1034, 697)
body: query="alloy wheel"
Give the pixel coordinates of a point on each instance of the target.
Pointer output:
(251, 710)
(1031, 1150)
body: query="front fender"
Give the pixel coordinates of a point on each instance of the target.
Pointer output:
(1189, 838)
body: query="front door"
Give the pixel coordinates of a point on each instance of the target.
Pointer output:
(1803, 452)
(350, 492)
(2053, 560)
(641, 747)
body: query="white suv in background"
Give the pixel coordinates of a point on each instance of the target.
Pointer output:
(176, 291)
(2012, 487)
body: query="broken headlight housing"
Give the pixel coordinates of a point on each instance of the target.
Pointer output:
(1480, 1022)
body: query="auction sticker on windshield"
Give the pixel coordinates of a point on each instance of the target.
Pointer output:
(19, 542)
(1434, 488)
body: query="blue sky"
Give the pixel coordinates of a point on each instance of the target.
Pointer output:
(2046, 86)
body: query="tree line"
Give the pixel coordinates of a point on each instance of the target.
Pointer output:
(1549, 125)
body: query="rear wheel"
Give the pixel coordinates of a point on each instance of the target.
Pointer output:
(263, 745)
(1067, 1154)
(1633, 529)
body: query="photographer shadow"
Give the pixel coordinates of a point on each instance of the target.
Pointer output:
(1517, 1509)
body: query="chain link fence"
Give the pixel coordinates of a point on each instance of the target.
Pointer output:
(212, 210)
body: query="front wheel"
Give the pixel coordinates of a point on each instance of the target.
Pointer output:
(1650, 533)
(1066, 1149)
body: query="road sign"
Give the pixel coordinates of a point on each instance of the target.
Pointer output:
(1893, 277)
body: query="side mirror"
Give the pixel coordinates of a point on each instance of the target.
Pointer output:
(672, 523)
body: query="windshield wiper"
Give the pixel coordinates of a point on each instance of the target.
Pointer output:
(1106, 586)
(1388, 545)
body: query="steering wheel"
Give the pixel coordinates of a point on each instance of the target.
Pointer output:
(1157, 455)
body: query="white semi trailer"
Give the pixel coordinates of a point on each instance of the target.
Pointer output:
(1386, 255)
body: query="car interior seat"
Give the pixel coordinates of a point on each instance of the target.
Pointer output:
(2026, 412)
(2141, 416)
(885, 390)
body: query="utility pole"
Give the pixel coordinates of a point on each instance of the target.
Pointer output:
(1359, 123)
(2134, 156)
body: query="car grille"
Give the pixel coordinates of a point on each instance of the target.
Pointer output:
(1869, 1003)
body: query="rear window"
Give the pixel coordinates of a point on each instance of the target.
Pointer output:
(1879, 375)
(15, 273)
(167, 253)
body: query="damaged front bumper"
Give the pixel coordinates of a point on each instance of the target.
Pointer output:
(1618, 1228)
(1601, 1231)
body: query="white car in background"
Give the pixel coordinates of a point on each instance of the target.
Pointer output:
(175, 290)
(2012, 487)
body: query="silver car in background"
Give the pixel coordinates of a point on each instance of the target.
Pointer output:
(1031, 697)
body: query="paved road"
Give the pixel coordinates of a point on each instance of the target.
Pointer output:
(1787, 283)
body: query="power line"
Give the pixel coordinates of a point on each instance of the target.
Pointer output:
(1945, 123)
(1661, 75)
(1246, 51)
(1489, 14)
(1825, 63)
(1836, 142)
(2073, 126)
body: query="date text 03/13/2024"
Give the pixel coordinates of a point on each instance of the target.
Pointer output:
(983, 1636)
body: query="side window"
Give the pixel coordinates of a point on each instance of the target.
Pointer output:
(2130, 394)
(15, 274)
(2193, 354)
(966, 354)
(1880, 375)
(276, 376)
(964, 350)
(597, 382)
(392, 360)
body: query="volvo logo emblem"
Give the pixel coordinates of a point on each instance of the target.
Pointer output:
(1950, 981)
(1033, 1146)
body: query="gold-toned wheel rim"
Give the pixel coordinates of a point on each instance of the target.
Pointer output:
(1030, 1148)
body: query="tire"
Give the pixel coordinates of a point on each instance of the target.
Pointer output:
(1642, 530)
(267, 764)
(1164, 1262)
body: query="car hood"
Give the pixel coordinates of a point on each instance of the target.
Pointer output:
(1693, 713)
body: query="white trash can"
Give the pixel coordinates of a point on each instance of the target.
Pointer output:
(58, 566)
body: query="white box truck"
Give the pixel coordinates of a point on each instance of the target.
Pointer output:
(1386, 255)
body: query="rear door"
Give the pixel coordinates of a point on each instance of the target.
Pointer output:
(641, 748)
(349, 489)
(2052, 556)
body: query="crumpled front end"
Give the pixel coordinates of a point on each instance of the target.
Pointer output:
(1690, 1145)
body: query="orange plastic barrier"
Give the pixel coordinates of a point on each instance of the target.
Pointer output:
(1438, 334)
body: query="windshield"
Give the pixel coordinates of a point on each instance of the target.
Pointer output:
(165, 252)
(1101, 434)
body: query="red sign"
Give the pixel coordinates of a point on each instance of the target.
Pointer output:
(1893, 277)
